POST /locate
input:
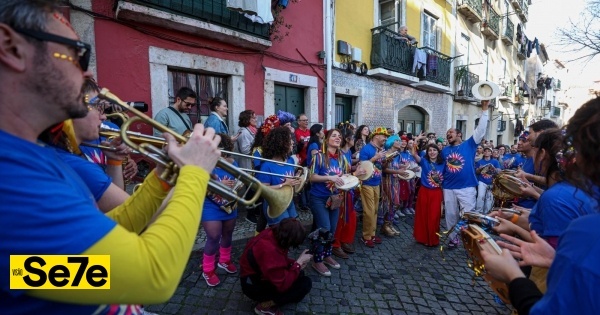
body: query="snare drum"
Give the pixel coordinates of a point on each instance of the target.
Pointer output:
(476, 240)
(350, 182)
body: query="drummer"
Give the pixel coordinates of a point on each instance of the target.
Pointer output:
(485, 169)
(390, 184)
(325, 198)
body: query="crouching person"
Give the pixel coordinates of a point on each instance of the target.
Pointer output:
(268, 276)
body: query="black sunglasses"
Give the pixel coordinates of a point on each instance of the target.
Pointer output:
(83, 49)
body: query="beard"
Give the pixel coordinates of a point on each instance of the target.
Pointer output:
(59, 92)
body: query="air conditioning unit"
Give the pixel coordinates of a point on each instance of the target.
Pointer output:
(343, 48)
(356, 54)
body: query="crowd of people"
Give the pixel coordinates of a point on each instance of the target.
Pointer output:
(63, 195)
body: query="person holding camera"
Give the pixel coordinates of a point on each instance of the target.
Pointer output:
(268, 275)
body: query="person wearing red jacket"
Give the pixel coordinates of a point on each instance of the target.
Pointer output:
(268, 275)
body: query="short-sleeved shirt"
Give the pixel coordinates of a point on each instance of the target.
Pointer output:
(336, 166)
(433, 173)
(92, 174)
(512, 161)
(169, 118)
(366, 153)
(272, 167)
(309, 157)
(558, 207)
(302, 136)
(212, 204)
(528, 167)
(256, 163)
(486, 178)
(460, 165)
(45, 208)
(96, 155)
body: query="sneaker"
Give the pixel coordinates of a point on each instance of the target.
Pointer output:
(376, 240)
(368, 243)
(329, 261)
(348, 248)
(261, 310)
(321, 269)
(228, 266)
(399, 214)
(211, 279)
(339, 252)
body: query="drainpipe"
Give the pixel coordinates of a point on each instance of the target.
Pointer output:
(329, 62)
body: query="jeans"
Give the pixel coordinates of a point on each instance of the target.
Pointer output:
(324, 218)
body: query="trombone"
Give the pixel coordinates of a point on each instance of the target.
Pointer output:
(278, 199)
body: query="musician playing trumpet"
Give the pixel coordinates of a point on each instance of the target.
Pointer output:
(218, 221)
(485, 169)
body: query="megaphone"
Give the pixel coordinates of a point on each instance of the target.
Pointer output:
(485, 90)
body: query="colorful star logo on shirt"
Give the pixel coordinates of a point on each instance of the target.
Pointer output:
(455, 162)
(434, 178)
(333, 170)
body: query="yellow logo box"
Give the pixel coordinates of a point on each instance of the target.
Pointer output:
(60, 272)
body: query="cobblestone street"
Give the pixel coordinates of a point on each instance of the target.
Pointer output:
(396, 277)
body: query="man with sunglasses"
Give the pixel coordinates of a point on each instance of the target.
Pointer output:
(45, 208)
(175, 117)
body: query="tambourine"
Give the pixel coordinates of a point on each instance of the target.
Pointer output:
(368, 167)
(350, 182)
(409, 175)
(488, 169)
(509, 184)
(476, 240)
(480, 219)
(509, 210)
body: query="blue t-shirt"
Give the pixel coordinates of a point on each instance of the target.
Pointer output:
(558, 206)
(311, 147)
(96, 155)
(432, 173)
(528, 167)
(574, 276)
(257, 152)
(45, 208)
(487, 177)
(273, 180)
(460, 165)
(512, 161)
(406, 157)
(212, 204)
(337, 167)
(92, 174)
(366, 153)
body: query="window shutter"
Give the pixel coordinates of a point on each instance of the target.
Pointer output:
(438, 36)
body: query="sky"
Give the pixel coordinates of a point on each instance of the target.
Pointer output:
(545, 18)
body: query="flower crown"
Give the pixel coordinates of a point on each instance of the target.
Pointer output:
(270, 123)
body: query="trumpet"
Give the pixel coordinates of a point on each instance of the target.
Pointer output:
(278, 199)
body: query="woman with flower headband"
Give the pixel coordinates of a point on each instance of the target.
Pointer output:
(218, 222)
(325, 198)
(557, 207)
(277, 147)
(573, 276)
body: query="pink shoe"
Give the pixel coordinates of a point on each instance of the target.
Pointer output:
(211, 278)
(228, 266)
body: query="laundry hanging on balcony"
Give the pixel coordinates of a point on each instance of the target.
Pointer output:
(259, 11)
(420, 62)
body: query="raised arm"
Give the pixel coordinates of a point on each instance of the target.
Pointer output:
(483, 121)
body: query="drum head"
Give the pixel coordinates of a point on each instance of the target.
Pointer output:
(349, 182)
(511, 184)
(410, 175)
(368, 167)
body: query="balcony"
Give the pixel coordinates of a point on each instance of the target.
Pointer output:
(517, 4)
(519, 98)
(506, 91)
(524, 11)
(208, 18)
(464, 82)
(391, 57)
(522, 52)
(437, 77)
(557, 85)
(509, 32)
(491, 25)
(471, 9)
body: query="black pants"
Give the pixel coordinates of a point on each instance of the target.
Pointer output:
(262, 291)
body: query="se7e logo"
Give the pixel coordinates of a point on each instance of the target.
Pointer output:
(60, 272)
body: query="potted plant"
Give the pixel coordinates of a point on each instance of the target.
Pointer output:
(460, 79)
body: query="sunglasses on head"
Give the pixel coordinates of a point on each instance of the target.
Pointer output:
(83, 49)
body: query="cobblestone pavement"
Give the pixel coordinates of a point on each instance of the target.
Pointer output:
(396, 277)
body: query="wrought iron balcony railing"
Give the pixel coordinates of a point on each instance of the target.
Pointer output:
(523, 14)
(491, 25)
(463, 83)
(507, 91)
(390, 52)
(509, 31)
(471, 9)
(211, 11)
(438, 67)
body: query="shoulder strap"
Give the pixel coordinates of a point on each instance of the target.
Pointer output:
(178, 114)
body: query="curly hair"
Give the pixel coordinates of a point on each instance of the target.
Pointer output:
(259, 139)
(277, 143)
(289, 233)
(226, 143)
(439, 159)
(583, 133)
(551, 141)
(358, 134)
(245, 117)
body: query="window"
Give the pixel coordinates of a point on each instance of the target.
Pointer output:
(462, 126)
(501, 125)
(205, 85)
(555, 111)
(503, 64)
(506, 7)
(485, 64)
(464, 46)
(430, 31)
(389, 12)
